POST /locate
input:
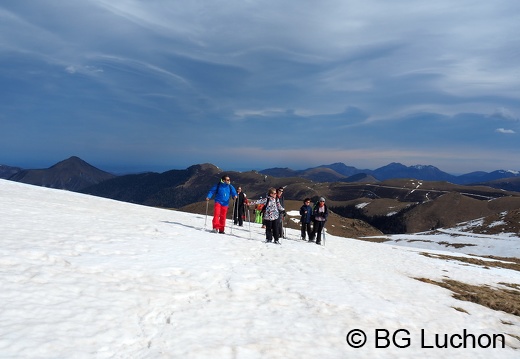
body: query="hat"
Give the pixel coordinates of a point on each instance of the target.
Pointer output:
(322, 199)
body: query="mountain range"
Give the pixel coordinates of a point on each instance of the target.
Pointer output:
(362, 204)
(70, 178)
(341, 172)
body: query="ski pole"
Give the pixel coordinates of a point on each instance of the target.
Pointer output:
(283, 229)
(249, 220)
(206, 218)
(233, 216)
(324, 235)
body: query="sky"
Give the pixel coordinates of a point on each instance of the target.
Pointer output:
(131, 85)
(145, 282)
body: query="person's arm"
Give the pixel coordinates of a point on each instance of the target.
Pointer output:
(211, 192)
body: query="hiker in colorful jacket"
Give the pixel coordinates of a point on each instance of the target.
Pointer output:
(259, 213)
(320, 214)
(279, 195)
(272, 211)
(223, 192)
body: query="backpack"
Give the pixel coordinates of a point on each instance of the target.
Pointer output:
(265, 206)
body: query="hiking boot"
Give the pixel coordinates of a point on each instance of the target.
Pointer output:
(221, 232)
(311, 240)
(318, 243)
(276, 242)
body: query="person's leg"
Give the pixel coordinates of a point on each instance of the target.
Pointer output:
(216, 216)
(314, 229)
(276, 230)
(223, 215)
(309, 230)
(279, 228)
(269, 225)
(241, 214)
(320, 228)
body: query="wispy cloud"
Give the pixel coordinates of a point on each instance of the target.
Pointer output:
(503, 130)
(505, 114)
(357, 75)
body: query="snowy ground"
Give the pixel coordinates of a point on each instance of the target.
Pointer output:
(503, 245)
(87, 277)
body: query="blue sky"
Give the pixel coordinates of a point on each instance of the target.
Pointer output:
(130, 85)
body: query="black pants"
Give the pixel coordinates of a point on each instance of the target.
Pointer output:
(238, 216)
(306, 228)
(280, 226)
(318, 228)
(271, 230)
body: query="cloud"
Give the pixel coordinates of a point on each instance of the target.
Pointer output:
(72, 69)
(503, 130)
(398, 76)
(505, 114)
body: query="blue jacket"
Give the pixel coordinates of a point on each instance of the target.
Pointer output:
(306, 217)
(224, 193)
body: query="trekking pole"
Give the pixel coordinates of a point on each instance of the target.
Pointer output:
(324, 235)
(249, 220)
(233, 216)
(283, 228)
(206, 218)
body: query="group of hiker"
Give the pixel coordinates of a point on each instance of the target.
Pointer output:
(269, 211)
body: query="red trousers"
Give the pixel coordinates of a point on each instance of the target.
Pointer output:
(219, 217)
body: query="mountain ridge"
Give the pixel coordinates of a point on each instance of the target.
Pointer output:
(389, 206)
(72, 174)
(391, 171)
(337, 171)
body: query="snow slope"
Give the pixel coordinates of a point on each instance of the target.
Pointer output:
(502, 245)
(87, 277)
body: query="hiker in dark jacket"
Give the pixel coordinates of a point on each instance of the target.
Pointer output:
(320, 214)
(223, 192)
(305, 220)
(240, 206)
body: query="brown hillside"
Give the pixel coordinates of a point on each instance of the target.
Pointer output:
(452, 208)
(445, 211)
(379, 206)
(500, 223)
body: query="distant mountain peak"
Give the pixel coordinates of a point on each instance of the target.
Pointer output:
(71, 174)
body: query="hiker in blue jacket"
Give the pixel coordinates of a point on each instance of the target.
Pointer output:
(223, 192)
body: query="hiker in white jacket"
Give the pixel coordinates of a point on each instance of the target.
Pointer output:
(272, 211)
